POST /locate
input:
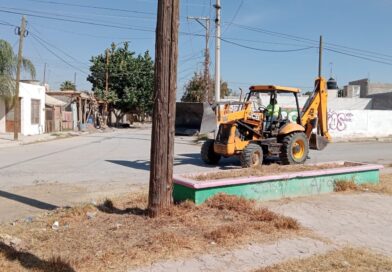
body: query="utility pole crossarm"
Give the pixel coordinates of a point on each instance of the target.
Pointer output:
(205, 23)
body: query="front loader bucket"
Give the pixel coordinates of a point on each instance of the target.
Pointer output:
(317, 142)
(194, 118)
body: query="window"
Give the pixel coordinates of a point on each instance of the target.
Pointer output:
(35, 105)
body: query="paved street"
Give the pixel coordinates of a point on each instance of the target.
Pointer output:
(97, 165)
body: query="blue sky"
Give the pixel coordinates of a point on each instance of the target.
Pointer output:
(359, 24)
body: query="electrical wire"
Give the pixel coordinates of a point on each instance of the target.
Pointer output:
(78, 21)
(331, 46)
(92, 7)
(357, 56)
(234, 17)
(57, 48)
(56, 55)
(268, 50)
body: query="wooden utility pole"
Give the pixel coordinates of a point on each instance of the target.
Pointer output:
(217, 7)
(44, 81)
(320, 56)
(21, 31)
(165, 84)
(206, 26)
(105, 110)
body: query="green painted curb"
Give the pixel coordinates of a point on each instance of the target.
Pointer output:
(275, 187)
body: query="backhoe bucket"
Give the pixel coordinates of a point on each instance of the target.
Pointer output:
(317, 142)
(194, 118)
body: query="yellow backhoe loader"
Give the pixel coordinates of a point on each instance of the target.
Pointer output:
(256, 134)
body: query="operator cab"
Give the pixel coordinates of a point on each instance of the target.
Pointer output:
(267, 101)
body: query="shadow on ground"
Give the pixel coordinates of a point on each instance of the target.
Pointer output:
(181, 159)
(108, 207)
(32, 262)
(28, 201)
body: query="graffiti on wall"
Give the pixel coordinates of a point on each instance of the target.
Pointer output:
(338, 120)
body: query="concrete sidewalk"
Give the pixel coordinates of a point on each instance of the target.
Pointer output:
(7, 139)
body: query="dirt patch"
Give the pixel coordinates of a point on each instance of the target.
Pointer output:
(343, 260)
(117, 235)
(265, 170)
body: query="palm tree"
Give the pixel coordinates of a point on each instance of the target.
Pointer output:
(8, 63)
(67, 85)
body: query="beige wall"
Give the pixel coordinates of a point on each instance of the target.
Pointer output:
(2, 116)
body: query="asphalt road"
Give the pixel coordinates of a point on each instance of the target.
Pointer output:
(43, 176)
(123, 156)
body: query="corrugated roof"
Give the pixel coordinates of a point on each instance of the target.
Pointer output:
(51, 101)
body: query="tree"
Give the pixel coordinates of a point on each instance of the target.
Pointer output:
(194, 89)
(67, 85)
(131, 81)
(8, 63)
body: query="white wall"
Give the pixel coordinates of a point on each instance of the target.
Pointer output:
(28, 92)
(359, 123)
(2, 116)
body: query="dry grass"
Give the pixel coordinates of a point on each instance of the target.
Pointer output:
(119, 235)
(264, 170)
(383, 187)
(343, 260)
(345, 185)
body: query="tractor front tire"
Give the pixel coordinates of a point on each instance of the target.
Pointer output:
(251, 156)
(295, 148)
(208, 154)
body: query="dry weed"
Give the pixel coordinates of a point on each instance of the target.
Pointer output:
(384, 187)
(119, 235)
(342, 260)
(345, 185)
(231, 203)
(265, 170)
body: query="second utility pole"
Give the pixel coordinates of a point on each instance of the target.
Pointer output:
(21, 31)
(106, 109)
(207, 96)
(217, 6)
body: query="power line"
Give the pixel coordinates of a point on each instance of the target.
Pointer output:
(92, 7)
(268, 50)
(235, 16)
(78, 21)
(57, 48)
(357, 56)
(62, 14)
(93, 23)
(310, 41)
(281, 35)
(56, 55)
(78, 33)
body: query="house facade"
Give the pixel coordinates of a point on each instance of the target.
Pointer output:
(32, 111)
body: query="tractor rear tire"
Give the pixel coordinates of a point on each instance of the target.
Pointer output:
(295, 148)
(251, 156)
(208, 154)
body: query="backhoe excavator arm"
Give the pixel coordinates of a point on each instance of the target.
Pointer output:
(314, 115)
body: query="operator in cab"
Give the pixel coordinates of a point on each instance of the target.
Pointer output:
(273, 110)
